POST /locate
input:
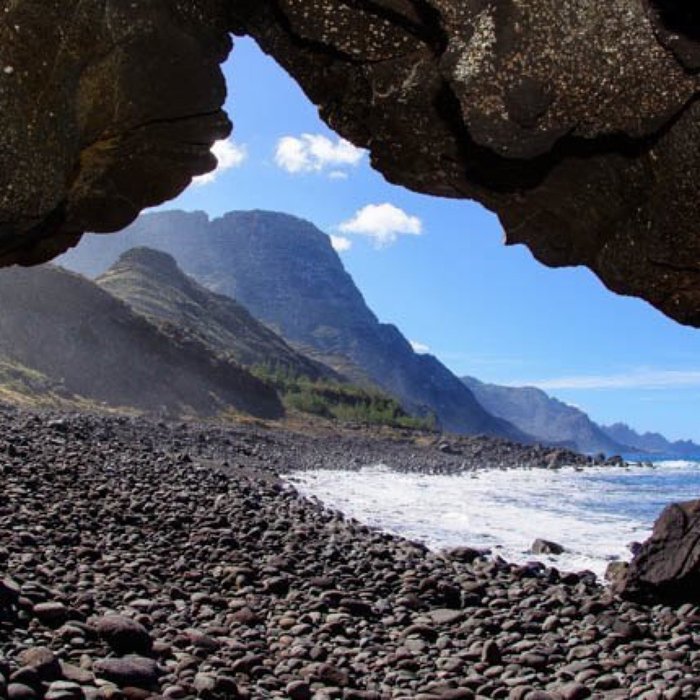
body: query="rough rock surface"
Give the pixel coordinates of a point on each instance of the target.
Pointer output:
(250, 591)
(107, 107)
(667, 566)
(575, 121)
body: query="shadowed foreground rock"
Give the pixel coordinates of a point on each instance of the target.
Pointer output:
(576, 122)
(667, 567)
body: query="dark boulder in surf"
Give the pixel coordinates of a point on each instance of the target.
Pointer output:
(667, 566)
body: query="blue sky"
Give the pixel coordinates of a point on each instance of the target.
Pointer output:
(438, 268)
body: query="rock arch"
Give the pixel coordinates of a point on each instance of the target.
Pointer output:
(576, 121)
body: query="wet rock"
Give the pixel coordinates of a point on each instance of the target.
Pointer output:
(464, 554)
(546, 547)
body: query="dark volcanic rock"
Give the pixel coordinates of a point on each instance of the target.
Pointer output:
(184, 546)
(123, 120)
(546, 547)
(124, 635)
(43, 661)
(577, 124)
(131, 670)
(667, 567)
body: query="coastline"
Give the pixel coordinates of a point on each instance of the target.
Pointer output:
(248, 590)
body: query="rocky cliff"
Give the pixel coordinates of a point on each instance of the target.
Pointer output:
(576, 122)
(75, 334)
(152, 284)
(285, 272)
(544, 417)
(652, 443)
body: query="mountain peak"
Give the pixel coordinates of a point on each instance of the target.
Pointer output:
(155, 260)
(284, 271)
(154, 286)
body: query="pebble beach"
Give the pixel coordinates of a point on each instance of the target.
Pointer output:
(148, 560)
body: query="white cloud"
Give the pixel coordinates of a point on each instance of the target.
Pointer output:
(637, 379)
(340, 243)
(314, 153)
(229, 155)
(338, 175)
(420, 348)
(384, 223)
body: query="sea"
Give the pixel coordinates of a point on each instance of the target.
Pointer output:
(595, 513)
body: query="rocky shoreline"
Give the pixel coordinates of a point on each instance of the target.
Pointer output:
(147, 560)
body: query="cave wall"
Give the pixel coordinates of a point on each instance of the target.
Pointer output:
(575, 120)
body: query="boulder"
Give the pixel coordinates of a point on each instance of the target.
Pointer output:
(465, 555)
(52, 613)
(546, 547)
(9, 592)
(123, 635)
(19, 691)
(667, 567)
(43, 661)
(131, 670)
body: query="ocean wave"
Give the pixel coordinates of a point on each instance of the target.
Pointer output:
(595, 514)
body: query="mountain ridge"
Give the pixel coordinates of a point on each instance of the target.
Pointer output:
(67, 329)
(549, 418)
(652, 442)
(153, 285)
(311, 302)
(543, 416)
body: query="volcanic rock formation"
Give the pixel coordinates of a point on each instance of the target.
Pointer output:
(667, 567)
(575, 121)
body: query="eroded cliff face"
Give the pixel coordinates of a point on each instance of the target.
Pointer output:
(106, 107)
(576, 121)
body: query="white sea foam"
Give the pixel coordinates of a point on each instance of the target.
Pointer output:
(676, 464)
(594, 514)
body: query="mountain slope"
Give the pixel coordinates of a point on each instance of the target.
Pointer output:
(66, 328)
(151, 283)
(285, 272)
(653, 443)
(547, 418)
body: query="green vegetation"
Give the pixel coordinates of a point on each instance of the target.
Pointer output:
(340, 401)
